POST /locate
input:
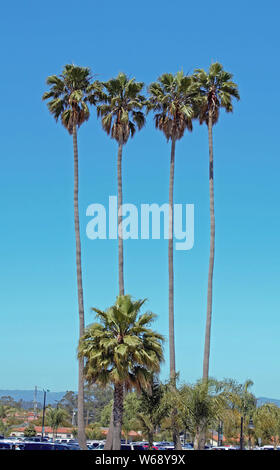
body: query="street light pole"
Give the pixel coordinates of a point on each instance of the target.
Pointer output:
(220, 434)
(241, 434)
(74, 412)
(251, 427)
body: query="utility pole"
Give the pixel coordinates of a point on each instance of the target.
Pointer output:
(35, 402)
(44, 409)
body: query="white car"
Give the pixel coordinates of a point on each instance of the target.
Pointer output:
(224, 448)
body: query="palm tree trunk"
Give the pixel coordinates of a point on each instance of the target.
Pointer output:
(110, 435)
(175, 430)
(211, 257)
(118, 414)
(81, 425)
(150, 439)
(200, 436)
(120, 233)
(176, 435)
(170, 266)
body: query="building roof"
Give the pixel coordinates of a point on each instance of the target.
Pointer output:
(48, 429)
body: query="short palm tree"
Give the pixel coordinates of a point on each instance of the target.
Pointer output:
(204, 405)
(55, 418)
(245, 402)
(68, 98)
(216, 90)
(151, 413)
(267, 423)
(120, 108)
(123, 351)
(172, 99)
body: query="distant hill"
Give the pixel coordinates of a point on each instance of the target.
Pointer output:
(262, 400)
(28, 396)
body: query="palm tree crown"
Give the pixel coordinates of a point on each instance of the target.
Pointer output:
(69, 95)
(120, 107)
(216, 90)
(121, 348)
(173, 97)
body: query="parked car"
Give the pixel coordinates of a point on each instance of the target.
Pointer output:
(139, 446)
(74, 446)
(167, 445)
(66, 441)
(7, 445)
(131, 446)
(29, 445)
(146, 447)
(99, 447)
(187, 447)
(224, 448)
(93, 445)
(35, 439)
(126, 447)
(13, 440)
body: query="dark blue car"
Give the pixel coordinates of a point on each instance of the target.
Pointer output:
(42, 446)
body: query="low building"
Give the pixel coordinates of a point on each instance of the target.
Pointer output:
(60, 433)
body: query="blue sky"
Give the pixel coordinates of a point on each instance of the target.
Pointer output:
(38, 301)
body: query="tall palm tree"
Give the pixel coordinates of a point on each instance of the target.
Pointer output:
(68, 98)
(123, 351)
(172, 98)
(120, 108)
(216, 90)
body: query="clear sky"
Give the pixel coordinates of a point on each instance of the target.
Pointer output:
(38, 299)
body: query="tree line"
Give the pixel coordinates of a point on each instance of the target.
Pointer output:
(223, 405)
(109, 348)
